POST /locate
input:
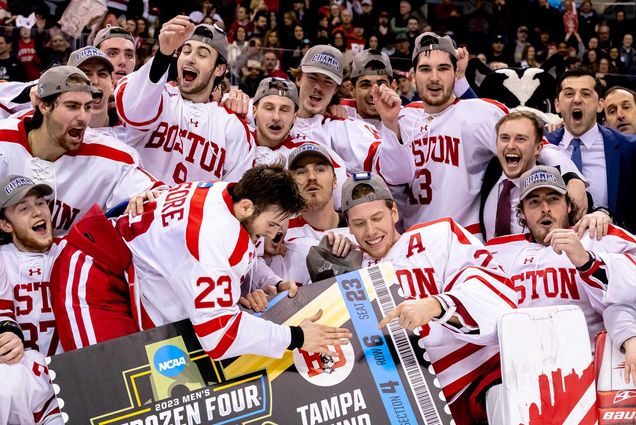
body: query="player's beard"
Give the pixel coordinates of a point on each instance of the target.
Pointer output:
(438, 101)
(32, 243)
(205, 84)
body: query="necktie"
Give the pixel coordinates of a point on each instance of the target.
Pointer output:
(504, 210)
(576, 153)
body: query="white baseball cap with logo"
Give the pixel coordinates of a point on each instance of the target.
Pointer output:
(325, 60)
(14, 189)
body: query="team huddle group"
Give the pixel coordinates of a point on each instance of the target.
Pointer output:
(129, 200)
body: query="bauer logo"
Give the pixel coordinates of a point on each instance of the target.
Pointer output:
(169, 360)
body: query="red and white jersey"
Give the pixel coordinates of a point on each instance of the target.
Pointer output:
(542, 277)
(267, 156)
(28, 277)
(190, 256)
(293, 265)
(102, 171)
(444, 260)
(451, 150)
(352, 112)
(299, 228)
(178, 140)
(361, 145)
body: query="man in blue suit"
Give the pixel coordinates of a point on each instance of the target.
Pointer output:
(606, 157)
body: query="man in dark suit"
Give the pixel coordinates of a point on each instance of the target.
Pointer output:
(606, 157)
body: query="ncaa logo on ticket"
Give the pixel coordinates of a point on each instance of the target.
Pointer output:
(169, 360)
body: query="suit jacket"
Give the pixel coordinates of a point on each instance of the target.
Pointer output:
(620, 166)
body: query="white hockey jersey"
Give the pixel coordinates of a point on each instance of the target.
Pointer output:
(178, 140)
(190, 256)
(299, 228)
(442, 259)
(542, 277)
(27, 280)
(9, 90)
(102, 171)
(361, 145)
(451, 150)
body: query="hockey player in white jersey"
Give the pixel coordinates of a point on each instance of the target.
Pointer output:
(27, 325)
(360, 145)
(180, 135)
(216, 225)
(455, 291)
(550, 265)
(453, 141)
(54, 147)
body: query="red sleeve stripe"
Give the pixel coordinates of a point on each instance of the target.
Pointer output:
(629, 257)
(151, 177)
(455, 357)
(368, 161)
(296, 222)
(42, 414)
(497, 104)
(496, 291)
(75, 303)
(241, 247)
(120, 109)
(227, 339)
(14, 136)
(348, 102)
(474, 228)
(93, 149)
(206, 328)
(462, 312)
(6, 305)
(417, 104)
(505, 239)
(618, 232)
(456, 386)
(195, 217)
(455, 228)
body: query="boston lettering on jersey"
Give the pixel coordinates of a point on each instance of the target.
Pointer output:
(547, 283)
(442, 149)
(170, 138)
(62, 215)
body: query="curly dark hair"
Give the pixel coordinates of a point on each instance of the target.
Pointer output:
(574, 212)
(269, 185)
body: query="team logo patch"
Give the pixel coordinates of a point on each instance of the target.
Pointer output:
(169, 360)
(205, 185)
(323, 370)
(326, 59)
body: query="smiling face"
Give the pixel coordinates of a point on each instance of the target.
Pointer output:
(362, 94)
(373, 226)
(196, 70)
(274, 116)
(517, 146)
(578, 103)
(315, 92)
(544, 209)
(316, 181)
(435, 80)
(66, 119)
(620, 111)
(29, 223)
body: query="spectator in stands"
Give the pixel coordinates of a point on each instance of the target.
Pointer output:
(592, 43)
(26, 54)
(236, 47)
(346, 23)
(574, 39)
(590, 60)
(498, 51)
(255, 73)
(604, 40)
(261, 24)
(356, 41)
(56, 51)
(298, 6)
(272, 41)
(384, 30)
(620, 109)
(628, 54)
(367, 16)
(10, 68)
(502, 18)
(619, 27)
(604, 68)
(521, 43)
(406, 88)
(615, 60)
(529, 58)
(373, 42)
(545, 17)
(272, 66)
(446, 17)
(242, 19)
(334, 16)
(286, 31)
(399, 23)
(412, 30)
(588, 20)
(401, 59)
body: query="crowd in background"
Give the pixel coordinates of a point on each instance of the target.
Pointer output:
(269, 37)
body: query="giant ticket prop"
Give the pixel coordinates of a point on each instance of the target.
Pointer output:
(162, 376)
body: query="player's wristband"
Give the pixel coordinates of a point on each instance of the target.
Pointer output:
(14, 328)
(160, 65)
(588, 265)
(297, 337)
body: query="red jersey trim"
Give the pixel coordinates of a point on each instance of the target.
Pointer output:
(456, 356)
(497, 104)
(368, 161)
(88, 149)
(453, 226)
(297, 222)
(227, 339)
(417, 104)
(620, 233)
(120, 109)
(243, 241)
(195, 217)
(508, 238)
(348, 102)
(456, 386)
(206, 328)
